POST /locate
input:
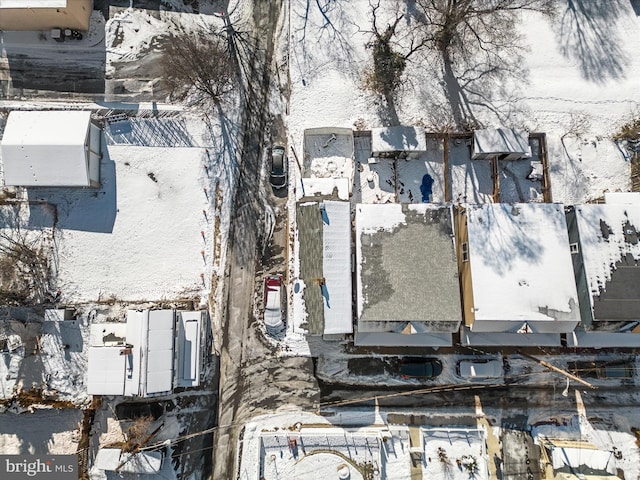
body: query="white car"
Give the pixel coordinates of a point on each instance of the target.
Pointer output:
(273, 315)
(480, 369)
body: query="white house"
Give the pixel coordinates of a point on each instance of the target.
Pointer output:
(51, 149)
(398, 141)
(149, 355)
(517, 273)
(45, 14)
(504, 143)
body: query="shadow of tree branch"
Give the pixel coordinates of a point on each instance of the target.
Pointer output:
(252, 53)
(332, 28)
(587, 35)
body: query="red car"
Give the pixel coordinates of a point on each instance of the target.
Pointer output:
(273, 301)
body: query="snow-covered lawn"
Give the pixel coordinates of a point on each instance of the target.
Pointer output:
(411, 176)
(49, 431)
(146, 235)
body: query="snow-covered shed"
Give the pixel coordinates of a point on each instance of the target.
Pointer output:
(407, 275)
(401, 141)
(51, 149)
(504, 143)
(324, 234)
(149, 355)
(45, 14)
(605, 248)
(328, 153)
(516, 270)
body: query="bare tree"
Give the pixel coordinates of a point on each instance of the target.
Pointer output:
(390, 53)
(462, 27)
(479, 48)
(25, 271)
(198, 64)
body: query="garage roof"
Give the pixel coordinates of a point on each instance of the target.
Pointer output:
(46, 148)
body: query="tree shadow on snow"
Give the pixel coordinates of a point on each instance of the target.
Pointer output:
(85, 209)
(243, 143)
(320, 38)
(478, 87)
(586, 32)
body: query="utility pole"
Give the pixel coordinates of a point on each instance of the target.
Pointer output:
(559, 370)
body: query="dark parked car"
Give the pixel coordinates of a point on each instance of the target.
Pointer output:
(278, 167)
(418, 367)
(603, 369)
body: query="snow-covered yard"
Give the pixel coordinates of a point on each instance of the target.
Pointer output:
(146, 235)
(51, 431)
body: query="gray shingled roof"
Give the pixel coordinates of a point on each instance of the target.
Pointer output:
(309, 222)
(411, 273)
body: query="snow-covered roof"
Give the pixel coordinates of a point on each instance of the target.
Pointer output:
(407, 274)
(622, 197)
(107, 334)
(610, 248)
(398, 139)
(154, 352)
(107, 363)
(142, 364)
(324, 233)
(328, 153)
(33, 3)
(46, 148)
(498, 141)
(521, 268)
(336, 267)
(189, 347)
(315, 187)
(576, 457)
(106, 371)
